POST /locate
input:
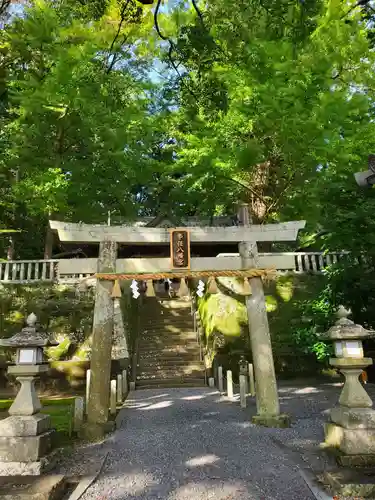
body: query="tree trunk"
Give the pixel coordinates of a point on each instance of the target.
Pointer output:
(10, 251)
(48, 247)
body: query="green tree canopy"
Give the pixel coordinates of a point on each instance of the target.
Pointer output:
(274, 95)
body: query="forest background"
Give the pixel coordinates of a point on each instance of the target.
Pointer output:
(177, 108)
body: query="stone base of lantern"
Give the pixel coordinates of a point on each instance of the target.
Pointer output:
(352, 432)
(45, 464)
(353, 418)
(25, 442)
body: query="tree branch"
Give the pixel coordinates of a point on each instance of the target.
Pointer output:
(275, 203)
(246, 186)
(171, 49)
(122, 19)
(197, 10)
(360, 3)
(4, 5)
(156, 22)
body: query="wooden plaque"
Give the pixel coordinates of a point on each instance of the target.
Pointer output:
(180, 248)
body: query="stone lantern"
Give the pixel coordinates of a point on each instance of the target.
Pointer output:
(25, 435)
(243, 366)
(351, 429)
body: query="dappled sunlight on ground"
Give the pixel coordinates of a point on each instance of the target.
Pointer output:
(307, 390)
(221, 491)
(203, 460)
(158, 406)
(133, 485)
(197, 444)
(194, 398)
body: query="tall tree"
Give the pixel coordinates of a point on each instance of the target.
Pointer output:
(78, 126)
(270, 90)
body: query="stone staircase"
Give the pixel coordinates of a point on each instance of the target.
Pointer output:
(169, 354)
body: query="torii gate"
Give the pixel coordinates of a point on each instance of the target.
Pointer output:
(249, 266)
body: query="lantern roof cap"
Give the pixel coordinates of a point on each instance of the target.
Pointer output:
(346, 329)
(30, 336)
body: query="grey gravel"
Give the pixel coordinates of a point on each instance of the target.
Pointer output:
(193, 444)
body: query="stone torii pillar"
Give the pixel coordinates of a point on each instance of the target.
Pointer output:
(100, 365)
(267, 399)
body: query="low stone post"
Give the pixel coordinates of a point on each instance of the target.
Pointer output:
(251, 380)
(229, 384)
(119, 388)
(220, 381)
(267, 399)
(78, 413)
(113, 397)
(88, 374)
(25, 436)
(131, 386)
(351, 428)
(243, 371)
(211, 382)
(243, 391)
(124, 382)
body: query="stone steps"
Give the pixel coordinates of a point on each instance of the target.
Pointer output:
(165, 367)
(169, 355)
(171, 383)
(178, 322)
(154, 348)
(162, 361)
(175, 304)
(169, 340)
(166, 305)
(167, 313)
(159, 319)
(157, 357)
(170, 350)
(169, 374)
(169, 369)
(163, 312)
(166, 329)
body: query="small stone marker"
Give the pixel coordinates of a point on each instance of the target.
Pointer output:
(78, 413)
(119, 388)
(220, 382)
(88, 377)
(243, 388)
(229, 384)
(132, 386)
(113, 397)
(211, 382)
(124, 382)
(251, 380)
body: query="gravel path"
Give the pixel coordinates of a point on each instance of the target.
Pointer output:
(193, 444)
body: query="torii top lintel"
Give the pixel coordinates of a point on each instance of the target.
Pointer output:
(86, 233)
